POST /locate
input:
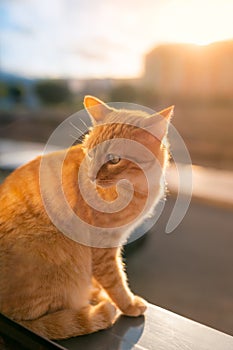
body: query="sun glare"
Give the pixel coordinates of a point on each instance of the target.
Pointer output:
(200, 42)
(114, 51)
(198, 23)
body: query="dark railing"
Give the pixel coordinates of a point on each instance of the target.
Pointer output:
(13, 336)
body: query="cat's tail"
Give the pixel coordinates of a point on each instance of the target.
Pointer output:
(70, 323)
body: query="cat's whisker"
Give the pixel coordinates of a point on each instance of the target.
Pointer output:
(74, 137)
(79, 130)
(84, 123)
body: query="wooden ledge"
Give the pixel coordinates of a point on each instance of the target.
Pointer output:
(158, 329)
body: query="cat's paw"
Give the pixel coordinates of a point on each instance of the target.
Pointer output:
(108, 311)
(136, 308)
(98, 295)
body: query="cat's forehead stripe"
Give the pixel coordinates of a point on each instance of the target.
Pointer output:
(109, 131)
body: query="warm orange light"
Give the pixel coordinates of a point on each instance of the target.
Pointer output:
(197, 22)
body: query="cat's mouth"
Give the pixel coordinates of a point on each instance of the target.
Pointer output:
(104, 183)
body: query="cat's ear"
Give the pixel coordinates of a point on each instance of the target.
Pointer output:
(96, 108)
(158, 123)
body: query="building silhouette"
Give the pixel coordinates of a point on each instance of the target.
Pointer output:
(191, 70)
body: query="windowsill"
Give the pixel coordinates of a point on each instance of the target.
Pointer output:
(159, 329)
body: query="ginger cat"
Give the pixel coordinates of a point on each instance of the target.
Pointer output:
(58, 287)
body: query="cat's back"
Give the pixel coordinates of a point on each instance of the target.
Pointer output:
(19, 191)
(38, 263)
(20, 194)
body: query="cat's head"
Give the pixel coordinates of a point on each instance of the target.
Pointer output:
(123, 143)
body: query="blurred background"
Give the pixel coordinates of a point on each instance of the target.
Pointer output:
(154, 53)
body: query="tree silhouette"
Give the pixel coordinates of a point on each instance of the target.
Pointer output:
(52, 91)
(16, 93)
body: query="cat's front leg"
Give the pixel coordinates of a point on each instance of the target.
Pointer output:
(108, 271)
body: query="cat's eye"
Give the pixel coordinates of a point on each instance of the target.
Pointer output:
(113, 158)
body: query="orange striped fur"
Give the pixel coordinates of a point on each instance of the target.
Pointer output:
(51, 284)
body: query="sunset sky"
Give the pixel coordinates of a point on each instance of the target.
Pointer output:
(105, 38)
